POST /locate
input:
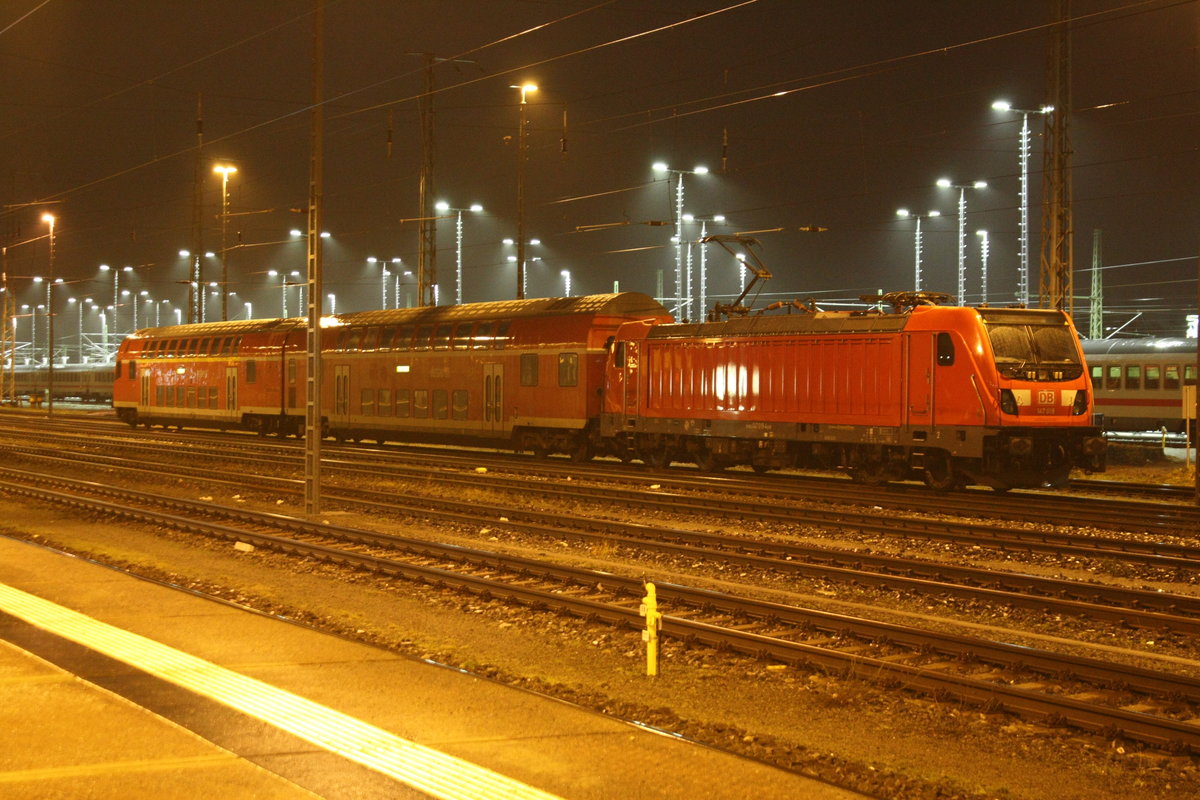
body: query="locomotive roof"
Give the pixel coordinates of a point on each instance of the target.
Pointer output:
(766, 325)
(1138, 346)
(617, 304)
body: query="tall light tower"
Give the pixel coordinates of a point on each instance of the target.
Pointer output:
(525, 89)
(443, 207)
(49, 220)
(224, 170)
(683, 287)
(904, 213)
(984, 249)
(703, 277)
(1023, 275)
(946, 183)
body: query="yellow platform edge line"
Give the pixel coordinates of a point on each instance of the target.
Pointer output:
(423, 768)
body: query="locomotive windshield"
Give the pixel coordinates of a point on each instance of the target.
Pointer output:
(1038, 347)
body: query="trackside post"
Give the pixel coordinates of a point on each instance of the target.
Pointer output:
(649, 610)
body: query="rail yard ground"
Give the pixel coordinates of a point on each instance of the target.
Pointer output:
(852, 733)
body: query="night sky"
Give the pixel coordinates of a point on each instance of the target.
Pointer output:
(879, 100)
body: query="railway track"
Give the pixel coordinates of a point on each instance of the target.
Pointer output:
(766, 490)
(1110, 700)
(1162, 612)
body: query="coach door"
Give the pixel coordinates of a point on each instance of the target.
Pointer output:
(341, 393)
(231, 390)
(493, 398)
(919, 389)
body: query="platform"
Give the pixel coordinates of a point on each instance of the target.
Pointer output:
(115, 687)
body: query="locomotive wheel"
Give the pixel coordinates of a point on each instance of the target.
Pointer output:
(871, 474)
(657, 458)
(940, 474)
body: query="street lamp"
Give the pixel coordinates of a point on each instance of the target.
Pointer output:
(904, 213)
(443, 206)
(1023, 276)
(566, 275)
(983, 259)
(717, 218)
(683, 292)
(525, 89)
(945, 183)
(224, 170)
(48, 218)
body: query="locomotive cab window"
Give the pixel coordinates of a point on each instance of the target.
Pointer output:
(529, 369)
(945, 350)
(568, 369)
(132, 370)
(1032, 345)
(619, 355)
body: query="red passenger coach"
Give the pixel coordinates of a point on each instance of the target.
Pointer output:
(950, 394)
(527, 373)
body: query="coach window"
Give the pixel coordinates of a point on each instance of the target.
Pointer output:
(1189, 375)
(158, 395)
(386, 335)
(191, 397)
(1153, 376)
(1113, 381)
(227, 345)
(440, 404)
(291, 372)
(1171, 376)
(529, 369)
(384, 402)
(212, 397)
(367, 402)
(370, 340)
(403, 403)
(483, 335)
(1133, 376)
(356, 335)
(403, 338)
(420, 403)
(459, 405)
(251, 371)
(502, 338)
(421, 341)
(442, 340)
(462, 336)
(1097, 377)
(945, 350)
(180, 396)
(568, 369)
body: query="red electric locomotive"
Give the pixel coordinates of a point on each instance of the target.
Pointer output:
(525, 372)
(997, 397)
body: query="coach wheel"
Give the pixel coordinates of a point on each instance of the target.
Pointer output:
(657, 458)
(707, 461)
(939, 472)
(760, 468)
(581, 451)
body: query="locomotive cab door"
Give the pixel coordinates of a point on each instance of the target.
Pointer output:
(919, 388)
(493, 398)
(630, 383)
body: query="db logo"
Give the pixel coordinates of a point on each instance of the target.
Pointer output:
(1046, 397)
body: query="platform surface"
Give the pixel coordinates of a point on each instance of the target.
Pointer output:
(115, 687)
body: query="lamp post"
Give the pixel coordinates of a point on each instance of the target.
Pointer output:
(332, 303)
(513, 259)
(49, 220)
(1023, 274)
(683, 281)
(383, 281)
(717, 218)
(458, 241)
(249, 309)
(158, 312)
(525, 89)
(983, 259)
(566, 276)
(946, 183)
(283, 290)
(904, 213)
(224, 170)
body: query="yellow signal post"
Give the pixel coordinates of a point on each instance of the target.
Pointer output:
(649, 610)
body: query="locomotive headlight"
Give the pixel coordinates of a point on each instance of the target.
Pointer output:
(1008, 402)
(1020, 445)
(1081, 402)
